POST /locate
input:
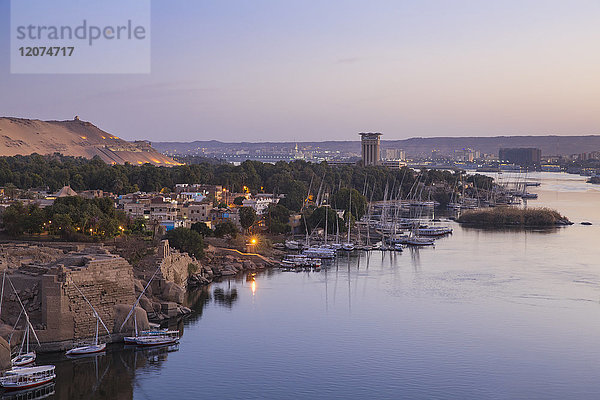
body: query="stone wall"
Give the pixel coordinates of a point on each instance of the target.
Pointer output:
(174, 265)
(174, 268)
(105, 283)
(105, 280)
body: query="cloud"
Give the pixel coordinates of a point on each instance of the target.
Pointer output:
(348, 60)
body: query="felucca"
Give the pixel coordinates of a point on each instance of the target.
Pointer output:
(95, 347)
(153, 337)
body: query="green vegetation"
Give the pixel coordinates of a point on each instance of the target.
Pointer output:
(277, 219)
(192, 269)
(186, 240)
(238, 201)
(71, 218)
(247, 217)
(509, 216)
(341, 201)
(316, 219)
(226, 228)
(292, 179)
(202, 229)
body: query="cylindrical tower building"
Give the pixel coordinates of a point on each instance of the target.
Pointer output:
(370, 148)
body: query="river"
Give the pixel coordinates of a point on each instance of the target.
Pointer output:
(494, 314)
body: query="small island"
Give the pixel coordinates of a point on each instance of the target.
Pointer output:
(509, 216)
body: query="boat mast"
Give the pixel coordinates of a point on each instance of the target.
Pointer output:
(29, 326)
(2, 295)
(326, 212)
(137, 302)
(349, 214)
(93, 309)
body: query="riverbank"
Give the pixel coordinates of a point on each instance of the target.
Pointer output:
(220, 262)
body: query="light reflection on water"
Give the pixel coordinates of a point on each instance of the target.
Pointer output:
(485, 314)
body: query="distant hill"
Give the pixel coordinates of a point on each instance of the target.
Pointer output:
(73, 138)
(550, 145)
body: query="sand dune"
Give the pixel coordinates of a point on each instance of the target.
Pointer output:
(73, 138)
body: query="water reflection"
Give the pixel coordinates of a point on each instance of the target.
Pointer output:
(225, 297)
(108, 375)
(43, 392)
(487, 313)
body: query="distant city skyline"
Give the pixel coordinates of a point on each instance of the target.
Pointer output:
(307, 71)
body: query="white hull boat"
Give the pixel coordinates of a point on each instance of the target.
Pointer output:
(24, 359)
(155, 340)
(348, 247)
(90, 349)
(20, 378)
(95, 347)
(420, 241)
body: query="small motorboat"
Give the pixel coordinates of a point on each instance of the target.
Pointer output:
(24, 359)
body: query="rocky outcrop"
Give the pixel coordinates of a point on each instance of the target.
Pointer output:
(220, 263)
(172, 292)
(5, 361)
(141, 318)
(175, 266)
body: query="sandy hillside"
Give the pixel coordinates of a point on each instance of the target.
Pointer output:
(73, 138)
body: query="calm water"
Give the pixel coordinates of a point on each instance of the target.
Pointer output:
(484, 314)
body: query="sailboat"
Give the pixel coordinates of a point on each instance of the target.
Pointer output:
(95, 347)
(153, 337)
(24, 357)
(20, 377)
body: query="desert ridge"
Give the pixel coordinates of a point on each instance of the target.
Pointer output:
(19, 136)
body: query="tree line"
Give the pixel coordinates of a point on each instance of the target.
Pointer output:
(294, 179)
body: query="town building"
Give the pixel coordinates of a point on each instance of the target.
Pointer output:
(220, 215)
(196, 211)
(521, 156)
(260, 202)
(394, 154)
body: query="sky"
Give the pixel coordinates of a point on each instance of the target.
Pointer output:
(303, 70)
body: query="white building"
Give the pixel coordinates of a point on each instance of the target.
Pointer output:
(260, 202)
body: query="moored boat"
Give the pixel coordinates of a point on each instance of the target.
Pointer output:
(293, 245)
(319, 252)
(433, 231)
(27, 377)
(156, 340)
(24, 359)
(348, 247)
(24, 356)
(149, 337)
(96, 347)
(420, 241)
(89, 349)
